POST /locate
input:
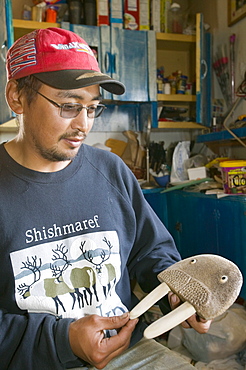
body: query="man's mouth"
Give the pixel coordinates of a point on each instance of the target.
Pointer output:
(74, 141)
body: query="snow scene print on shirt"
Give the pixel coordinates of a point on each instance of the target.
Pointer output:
(72, 277)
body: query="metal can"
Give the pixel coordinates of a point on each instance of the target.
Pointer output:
(181, 84)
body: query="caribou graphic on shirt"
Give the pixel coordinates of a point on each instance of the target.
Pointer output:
(63, 278)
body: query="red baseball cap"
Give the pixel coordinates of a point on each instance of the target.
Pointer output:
(59, 58)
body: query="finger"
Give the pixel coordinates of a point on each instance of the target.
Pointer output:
(115, 345)
(199, 324)
(117, 341)
(113, 322)
(174, 300)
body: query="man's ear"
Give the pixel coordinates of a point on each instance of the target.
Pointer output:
(13, 97)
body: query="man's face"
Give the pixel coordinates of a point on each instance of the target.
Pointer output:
(51, 136)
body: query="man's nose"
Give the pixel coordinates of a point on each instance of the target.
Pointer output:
(81, 122)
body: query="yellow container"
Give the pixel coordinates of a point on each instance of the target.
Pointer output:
(234, 176)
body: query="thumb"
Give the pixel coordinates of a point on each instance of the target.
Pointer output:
(115, 322)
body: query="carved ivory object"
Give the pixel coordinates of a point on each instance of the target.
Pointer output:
(207, 284)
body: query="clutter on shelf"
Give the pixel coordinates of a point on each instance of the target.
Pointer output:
(221, 175)
(159, 169)
(178, 167)
(176, 83)
(131, 152)
(45, 11)
(177, 114)
(156, 15)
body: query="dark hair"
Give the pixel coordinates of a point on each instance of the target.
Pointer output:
(28, 85)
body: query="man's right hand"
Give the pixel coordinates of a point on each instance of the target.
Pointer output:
(88, 341)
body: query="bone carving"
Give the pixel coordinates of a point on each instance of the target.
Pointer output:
(207, 284)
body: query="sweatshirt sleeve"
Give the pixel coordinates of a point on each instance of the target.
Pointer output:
(34, 341)
(154, 248)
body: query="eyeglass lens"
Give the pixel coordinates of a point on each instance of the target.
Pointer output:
(72, 110)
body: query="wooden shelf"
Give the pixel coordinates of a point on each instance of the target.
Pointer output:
(9, 126)
(177, 98)
(215, 140)
(222, 136)
(22, 27)
(32, 25)
(180, 125)
(175, 37)
(175, 41)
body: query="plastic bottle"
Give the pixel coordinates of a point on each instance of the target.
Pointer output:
(214, 125)
(38, 12)
(51, 14)
(159, 83)
(175, 19)
(167, 88)
(27, 12)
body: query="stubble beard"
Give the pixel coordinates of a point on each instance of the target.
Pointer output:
(54, 154)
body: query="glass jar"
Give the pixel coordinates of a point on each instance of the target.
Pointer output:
(175, 19)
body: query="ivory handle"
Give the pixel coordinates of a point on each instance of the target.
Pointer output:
(169, 321)
(150, 299)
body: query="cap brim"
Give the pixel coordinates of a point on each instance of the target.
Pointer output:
(75, 79)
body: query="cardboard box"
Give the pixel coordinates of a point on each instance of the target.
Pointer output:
(144, 23)
(197, 173)
(116, 13)
(102, 13)
(131, 14)
(165, 6)
(155, 20)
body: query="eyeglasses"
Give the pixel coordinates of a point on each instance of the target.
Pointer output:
(72, 110)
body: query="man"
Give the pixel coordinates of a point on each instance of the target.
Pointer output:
(75, 227)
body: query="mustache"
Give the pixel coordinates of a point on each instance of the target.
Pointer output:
(75, 134)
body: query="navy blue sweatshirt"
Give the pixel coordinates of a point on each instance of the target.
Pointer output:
(71, 242)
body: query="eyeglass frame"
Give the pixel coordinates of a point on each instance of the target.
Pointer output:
(78, 105)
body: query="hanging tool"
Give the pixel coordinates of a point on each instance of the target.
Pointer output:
(148, 184)
(232, 65)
